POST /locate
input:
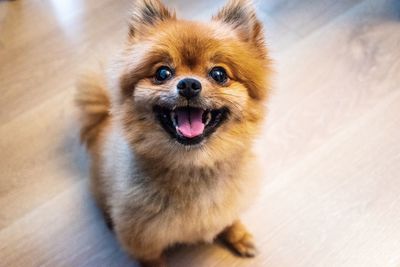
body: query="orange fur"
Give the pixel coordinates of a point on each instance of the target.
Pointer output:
(155, 191)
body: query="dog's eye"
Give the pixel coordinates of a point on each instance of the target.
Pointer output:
(163, 73)
(219, 75)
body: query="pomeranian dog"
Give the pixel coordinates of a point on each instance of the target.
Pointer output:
(170, 129)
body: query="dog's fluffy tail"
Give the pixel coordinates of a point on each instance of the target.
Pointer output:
(93, 102)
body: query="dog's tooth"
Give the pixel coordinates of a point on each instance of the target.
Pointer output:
(173, 118)
(208, 117)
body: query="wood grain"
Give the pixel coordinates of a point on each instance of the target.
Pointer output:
(330, 146)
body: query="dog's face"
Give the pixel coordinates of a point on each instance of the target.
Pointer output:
(192, 86)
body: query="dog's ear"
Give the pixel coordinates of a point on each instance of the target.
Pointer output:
(241, 16)
(147, 13)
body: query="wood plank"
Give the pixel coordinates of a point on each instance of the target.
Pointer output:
(41, 156)
(304, 17)
(36, 66)
(330, 80)
(65, 231)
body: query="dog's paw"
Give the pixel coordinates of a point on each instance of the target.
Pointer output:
(160, 262)
(239, 240)
(244, 246)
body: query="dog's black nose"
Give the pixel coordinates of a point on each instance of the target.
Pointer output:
(189, 87)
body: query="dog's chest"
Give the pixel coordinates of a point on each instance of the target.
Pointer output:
(193, 218)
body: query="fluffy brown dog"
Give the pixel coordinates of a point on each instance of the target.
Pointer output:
(170, 132)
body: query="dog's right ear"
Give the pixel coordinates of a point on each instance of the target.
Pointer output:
(147, 13)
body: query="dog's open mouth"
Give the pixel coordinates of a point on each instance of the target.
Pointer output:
(190, 125)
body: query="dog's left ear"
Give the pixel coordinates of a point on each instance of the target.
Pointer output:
(146, 14)
(241, 16)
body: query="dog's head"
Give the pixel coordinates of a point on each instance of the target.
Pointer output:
(191, 86)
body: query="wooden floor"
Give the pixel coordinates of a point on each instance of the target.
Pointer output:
(331, 145)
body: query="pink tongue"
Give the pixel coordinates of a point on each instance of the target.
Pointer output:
(190, 122)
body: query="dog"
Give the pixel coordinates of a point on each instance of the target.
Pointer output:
(170, 128)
